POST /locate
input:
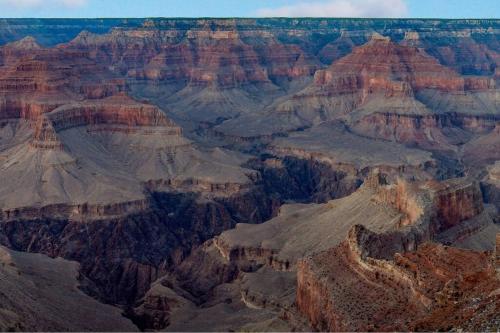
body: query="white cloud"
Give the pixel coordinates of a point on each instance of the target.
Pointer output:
(28, 4)
(73, 3)
(339, 8)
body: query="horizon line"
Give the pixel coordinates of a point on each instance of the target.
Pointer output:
(250, 18)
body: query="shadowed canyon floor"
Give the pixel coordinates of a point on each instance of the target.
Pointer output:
(249, 174)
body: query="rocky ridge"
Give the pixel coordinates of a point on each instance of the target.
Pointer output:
(256, 262)
(433, 281)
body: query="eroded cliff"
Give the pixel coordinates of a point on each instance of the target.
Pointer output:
(132, 146)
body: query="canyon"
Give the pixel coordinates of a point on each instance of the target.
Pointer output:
(249, 174)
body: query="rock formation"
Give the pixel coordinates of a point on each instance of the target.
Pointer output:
(385, 90)
(213, 174)
(346, 288)
(497, 253)
(39, 293)
(259, 262)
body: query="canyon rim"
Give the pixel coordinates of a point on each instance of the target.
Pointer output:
(249, 174)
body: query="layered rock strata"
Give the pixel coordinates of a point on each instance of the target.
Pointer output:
(433, 282)
(258, 262)
(113, 182)
(385, 90)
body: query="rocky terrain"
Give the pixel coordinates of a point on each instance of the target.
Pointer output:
(41, 294)
(250, 174)
(257, 276)
(433, 288)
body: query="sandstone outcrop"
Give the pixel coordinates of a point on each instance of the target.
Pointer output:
(346, 288)
(457, 202)
(382, 65)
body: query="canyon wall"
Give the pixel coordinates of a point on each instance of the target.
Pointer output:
(219, 165)
(398, 294)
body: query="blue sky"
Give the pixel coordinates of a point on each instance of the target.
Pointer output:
(245, 8)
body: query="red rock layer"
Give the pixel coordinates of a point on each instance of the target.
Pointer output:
(18, 108)
(118, 110)
(32, 75)
(467, 55)
(37, 72)
(457, 202)
(427, 131)
(436, 206)
(12, 52)
(114, 111)
(398, 93)
(41, 81)
(387, 67)
(345, 289)
(204, 57)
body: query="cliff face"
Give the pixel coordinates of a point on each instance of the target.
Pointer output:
(437, 205)
(386, 90)
(257, 262)
(382, 65)
(203, 56)
(434, 280)
(458, 203)
(467, 45)
(148, 243)
(48, 78)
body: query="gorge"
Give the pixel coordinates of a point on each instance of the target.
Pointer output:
(250, 174)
